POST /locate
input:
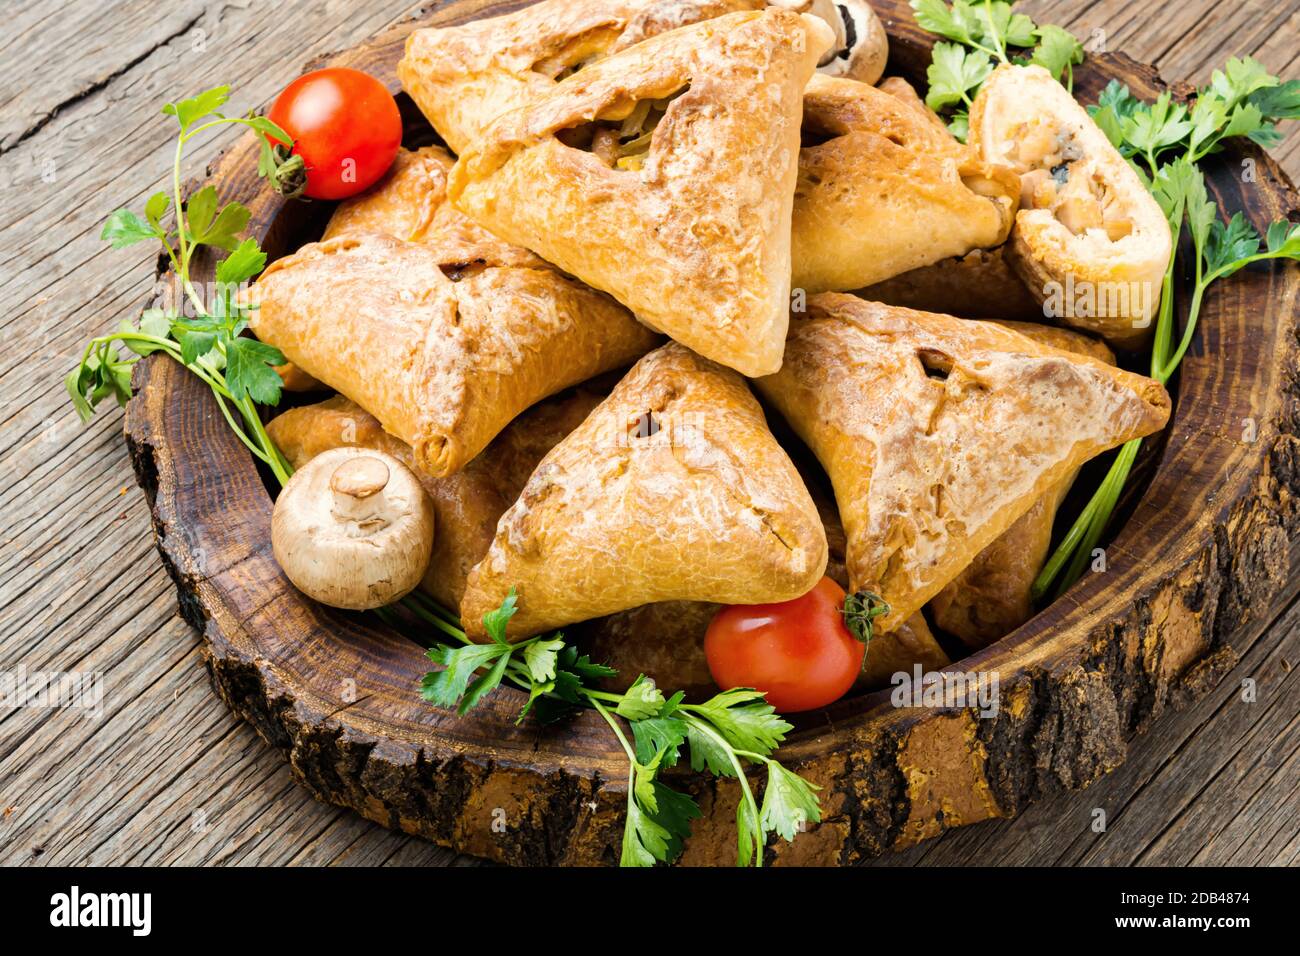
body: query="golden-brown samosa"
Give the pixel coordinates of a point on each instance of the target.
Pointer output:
(938, 433)
(1089, 241)
(463, 77)
(991, 597)
(672, 489)
(688, 226)
(439, 329)
(882, 190)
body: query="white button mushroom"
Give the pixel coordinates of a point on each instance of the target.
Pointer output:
(861, 46)
(353, 529)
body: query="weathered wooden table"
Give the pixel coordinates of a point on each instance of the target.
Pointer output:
(165, 774)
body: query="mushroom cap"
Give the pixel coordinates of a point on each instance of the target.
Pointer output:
(861, 46)
(353, 529)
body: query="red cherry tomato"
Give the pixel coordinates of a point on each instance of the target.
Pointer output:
(798, 651)
(345, 126)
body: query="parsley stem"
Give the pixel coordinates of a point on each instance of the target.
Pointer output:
(747, 795)
(622, 738)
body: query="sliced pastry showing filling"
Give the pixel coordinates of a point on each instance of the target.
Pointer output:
(1089, 240)
(672, 489)
(652, 174)
(938, 433)
(468, 504)
(463, 77)
(991, 597)
(882, 190)
(440, 330)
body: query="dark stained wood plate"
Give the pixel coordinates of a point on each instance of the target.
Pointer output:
(1202, 552)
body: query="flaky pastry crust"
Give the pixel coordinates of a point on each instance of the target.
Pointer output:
(464, 77)
(881, 190)
(672, 489)
(938, 433)
(442, 331)
(697, 240)
(991, 597)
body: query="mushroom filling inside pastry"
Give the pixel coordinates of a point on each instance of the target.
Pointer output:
(622, 142)
(1053, 178)
(1090, 241)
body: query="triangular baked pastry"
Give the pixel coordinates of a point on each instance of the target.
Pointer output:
(672, 489)
(464, 76)
(991, 597)
(882, 190)
(468, 504)
(1089, 241)
(938, 433)
(440, 330)
(664, 175)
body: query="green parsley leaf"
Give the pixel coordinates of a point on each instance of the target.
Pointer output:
(494, 622)
(745, 718)
(484, 684)
(708, 754)
(657, 837)
(957, 22)
(959, 125)
(953, 72)
(542, 657)
(200, 209)
(582, 665)
(747, 852)
(124, 228)
(156, 208)
(1284, 239)
(1239, 79)
(789, 802)
(250, 370)
(446, 687)
(195, 345)
(643, 699)
(659, 735)
(188, 112)
(1109, 123)
(246, 261)
(1057, 49)
(1281, 102)
(223, 231)
(1228, 245)
(1162, 124)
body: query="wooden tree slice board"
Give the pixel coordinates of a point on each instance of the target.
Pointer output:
(1206, 547)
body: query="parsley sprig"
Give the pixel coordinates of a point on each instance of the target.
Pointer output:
(722, 735)
(1242, 99)
(204, 336)
(1219, 249)
(986, 33)
(1164, 141)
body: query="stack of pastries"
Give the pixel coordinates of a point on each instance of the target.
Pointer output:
(668, 229)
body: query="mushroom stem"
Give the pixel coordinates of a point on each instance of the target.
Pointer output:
(358, 486)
